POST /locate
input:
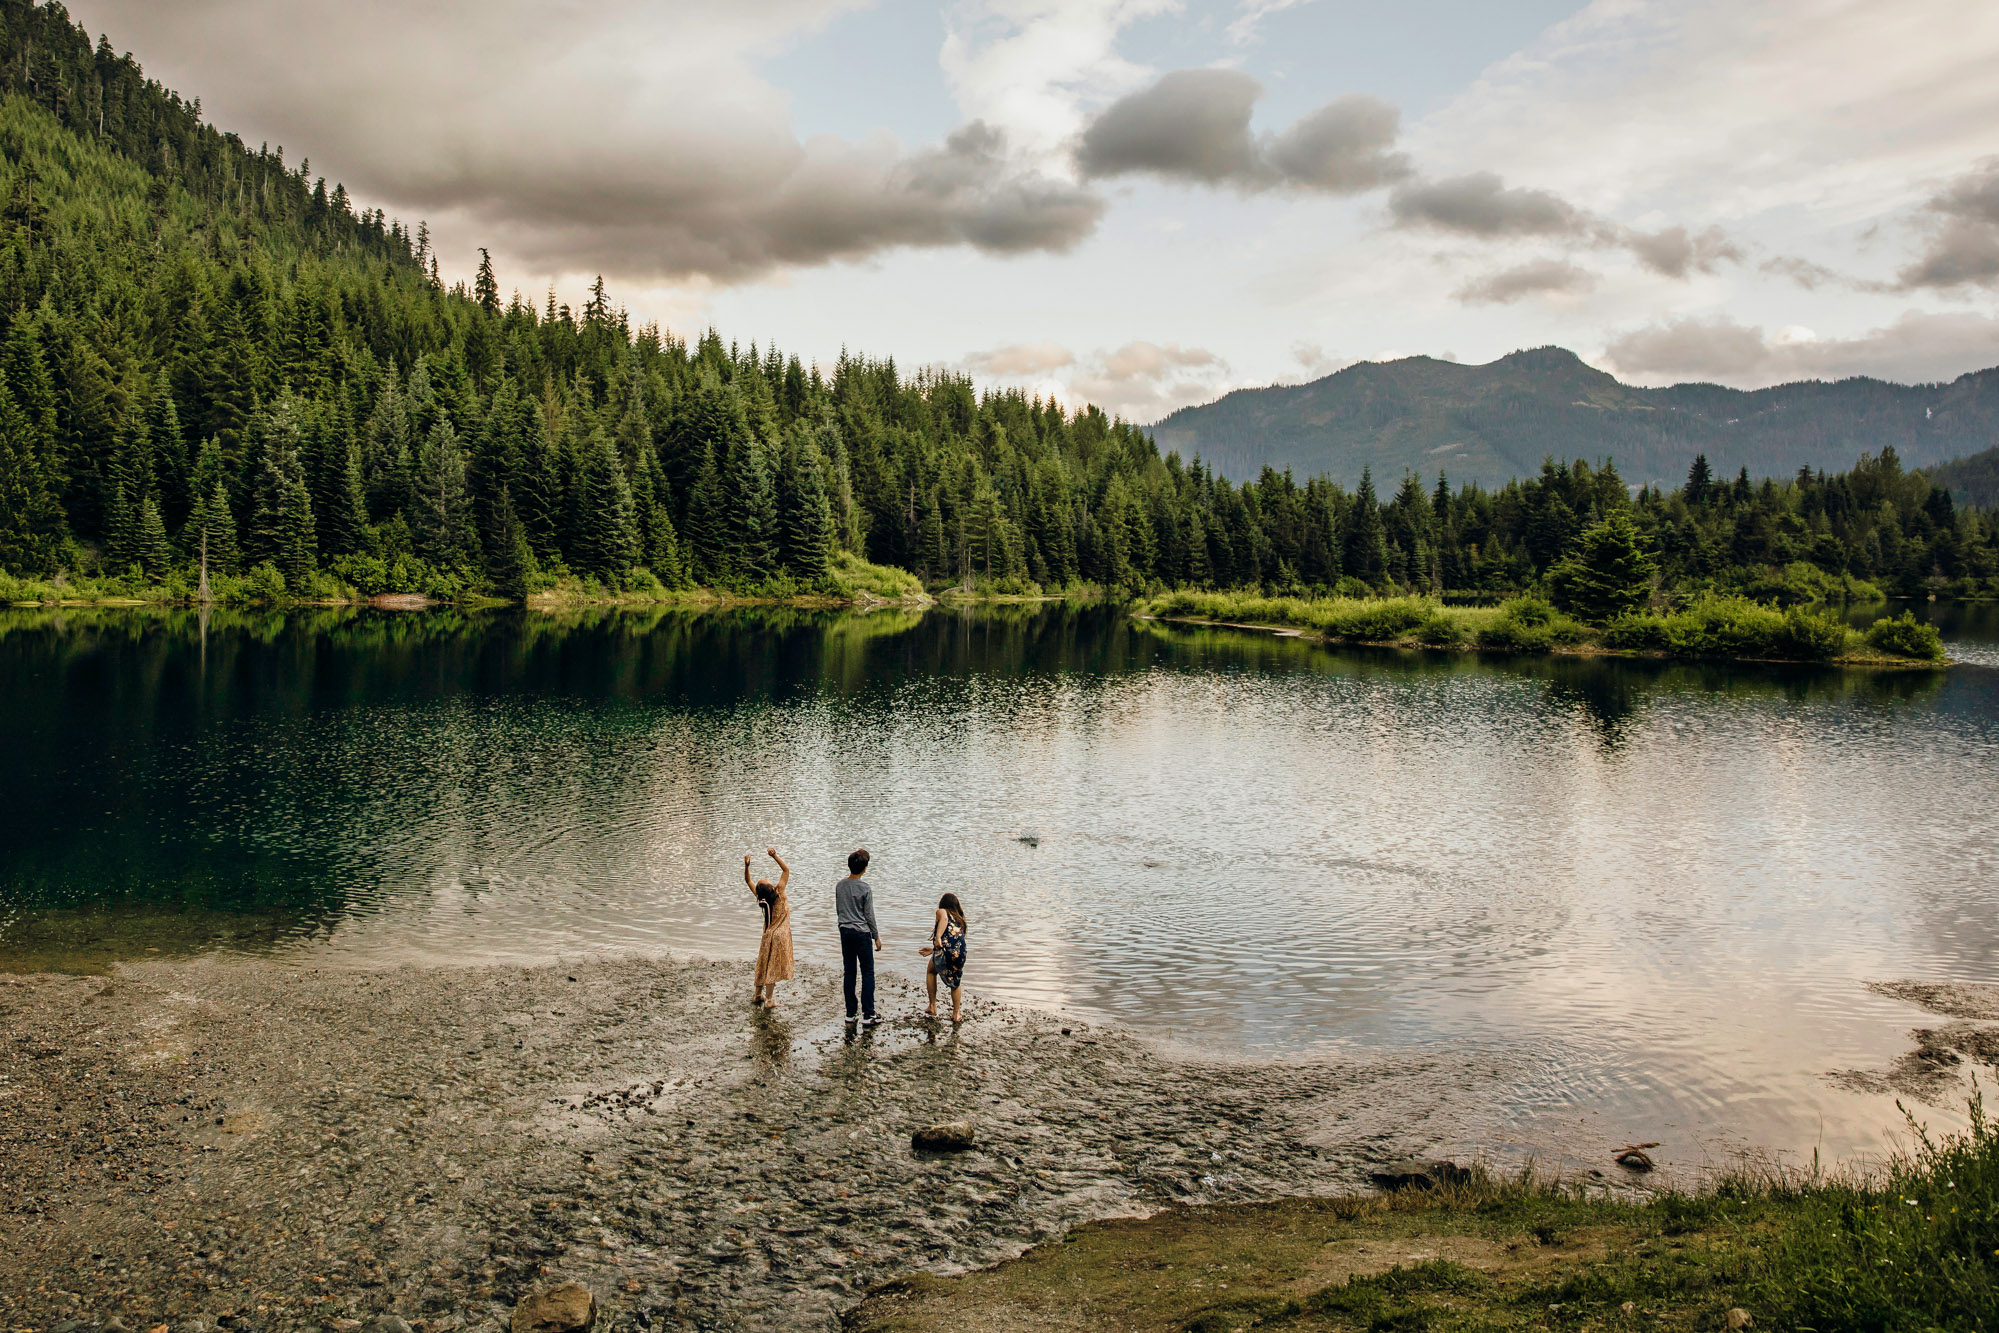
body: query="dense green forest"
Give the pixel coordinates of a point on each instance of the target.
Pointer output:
(207, 349)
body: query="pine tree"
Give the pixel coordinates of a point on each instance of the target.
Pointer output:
(1607, 574)
(659, 544)
(605, 527)
(1365, 556)
(281, 527)
(211, 527)
(486, 287)
(752, 515)
(510, 563)
(935, 553)
(155, 552)
(20, 484)
(442, 521)
(1700, 479)
(808, 519)
(707, 544)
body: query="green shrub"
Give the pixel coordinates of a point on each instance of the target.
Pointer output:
(1731, 627)
(1528, 625)
(266, 584)
(1906, 636)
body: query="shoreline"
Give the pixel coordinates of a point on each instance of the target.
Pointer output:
(298, 1147)
(1588, 650)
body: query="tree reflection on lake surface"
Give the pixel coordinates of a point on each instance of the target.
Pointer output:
(1657, 889)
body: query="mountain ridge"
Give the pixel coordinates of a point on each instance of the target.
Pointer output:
(1497, 420)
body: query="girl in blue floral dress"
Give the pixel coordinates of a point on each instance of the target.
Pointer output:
(946, 952)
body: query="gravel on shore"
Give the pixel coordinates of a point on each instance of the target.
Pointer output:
(229, 1142)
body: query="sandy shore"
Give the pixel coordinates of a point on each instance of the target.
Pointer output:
(290, 1148)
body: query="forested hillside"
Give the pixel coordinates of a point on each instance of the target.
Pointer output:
(208, 349)
(1494, 422)
(1971, 481)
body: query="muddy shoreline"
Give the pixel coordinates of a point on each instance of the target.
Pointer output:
(293, 1149)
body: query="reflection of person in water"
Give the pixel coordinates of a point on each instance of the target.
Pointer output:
(774, 953)
(946, 952)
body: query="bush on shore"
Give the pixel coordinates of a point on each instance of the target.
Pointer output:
(1730, 627)
(1906, 636)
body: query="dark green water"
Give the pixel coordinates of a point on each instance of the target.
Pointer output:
(1657, 892)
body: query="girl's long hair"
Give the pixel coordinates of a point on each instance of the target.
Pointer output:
(949, 902)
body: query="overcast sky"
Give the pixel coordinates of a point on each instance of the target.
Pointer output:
(1144, 203)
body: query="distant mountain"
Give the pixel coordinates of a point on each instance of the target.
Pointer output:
(1493, 422)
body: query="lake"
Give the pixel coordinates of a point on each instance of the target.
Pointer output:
(1655, 892)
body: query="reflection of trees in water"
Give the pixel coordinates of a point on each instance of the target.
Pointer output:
(275, 768)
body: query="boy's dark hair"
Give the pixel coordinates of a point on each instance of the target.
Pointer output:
(857, 862)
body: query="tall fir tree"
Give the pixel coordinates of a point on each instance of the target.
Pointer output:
(808, 518)
(605, 526)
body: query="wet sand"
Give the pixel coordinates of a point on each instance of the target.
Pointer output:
(295, 1149)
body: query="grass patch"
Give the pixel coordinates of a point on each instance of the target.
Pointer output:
(1710, 627)
(852, 577)
(1912, 1251)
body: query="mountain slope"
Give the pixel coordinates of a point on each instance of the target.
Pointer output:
(1971, 481)
(1492, 422)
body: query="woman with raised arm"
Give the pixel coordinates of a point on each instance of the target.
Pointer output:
(774, 953)
(946, 952)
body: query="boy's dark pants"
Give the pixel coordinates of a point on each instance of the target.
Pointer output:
(857, 950)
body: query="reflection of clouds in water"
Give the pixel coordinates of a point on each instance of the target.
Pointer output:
(1660, 883)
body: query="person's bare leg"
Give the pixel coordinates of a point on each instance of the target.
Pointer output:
(957, 1015)
(930, 985)
(770, 996)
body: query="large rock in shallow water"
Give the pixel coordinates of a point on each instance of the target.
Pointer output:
(1418, 1173)
(952, 1136)
(568, 1308)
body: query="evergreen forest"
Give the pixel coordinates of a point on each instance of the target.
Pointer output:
(212, 359)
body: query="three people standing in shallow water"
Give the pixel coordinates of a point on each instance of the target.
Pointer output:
(860, 940)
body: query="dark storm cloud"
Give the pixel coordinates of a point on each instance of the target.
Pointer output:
(1540, 277)
(1963, 246)
(632, 137)
(1193, 125)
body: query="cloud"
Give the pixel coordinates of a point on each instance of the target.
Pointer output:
(1480, 204)
(1139, 381)
(1917, 348)
(638, 138)
(1674, 252)
(1539, 277)
(1244, 28)
(1963, 247)
(1021, 359)
(1193, 125)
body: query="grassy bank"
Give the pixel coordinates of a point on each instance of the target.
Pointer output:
(1914, 1250)
(1711, 627)
(850, 580)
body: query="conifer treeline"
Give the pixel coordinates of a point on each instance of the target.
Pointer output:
(207, 349)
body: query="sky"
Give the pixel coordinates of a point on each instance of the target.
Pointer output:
(1146, 203)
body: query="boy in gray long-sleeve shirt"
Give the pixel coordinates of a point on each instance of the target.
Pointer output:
(854, 907)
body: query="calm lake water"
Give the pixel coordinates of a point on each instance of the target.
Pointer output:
(1654, 893)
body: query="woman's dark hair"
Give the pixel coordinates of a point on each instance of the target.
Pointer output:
(857, 861)
(764, 884)
(952, 909)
